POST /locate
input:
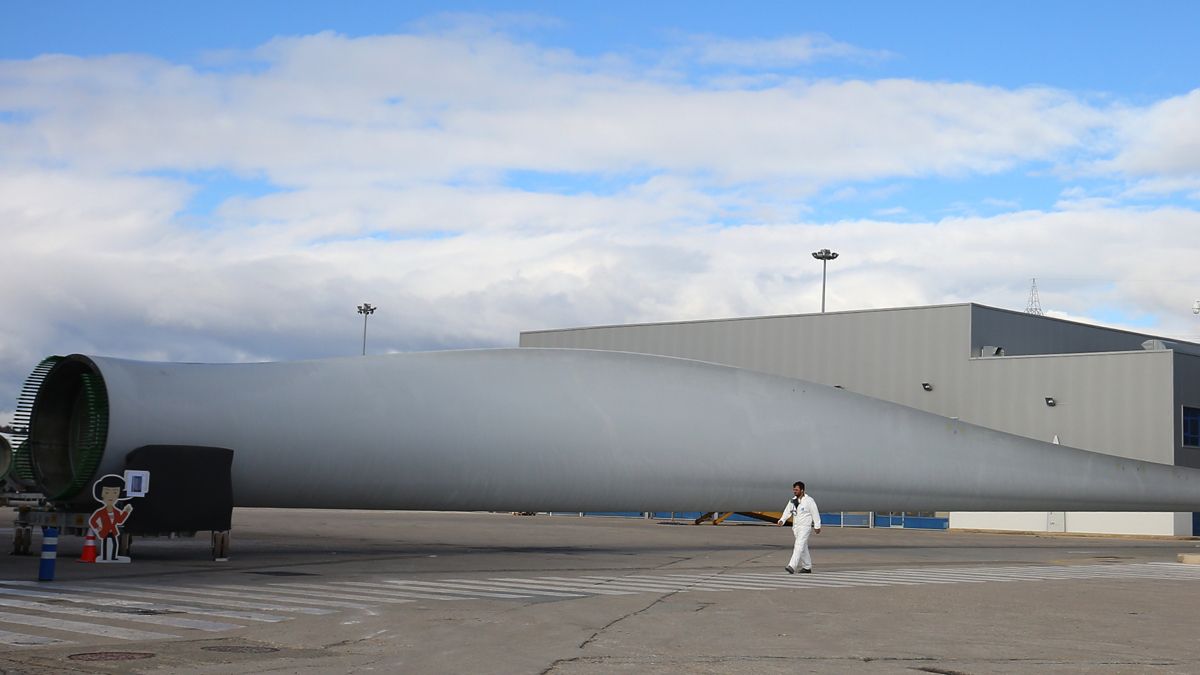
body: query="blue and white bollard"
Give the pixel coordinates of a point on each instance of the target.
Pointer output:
(49, 553)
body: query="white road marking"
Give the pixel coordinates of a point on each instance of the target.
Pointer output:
(98, 603)
(95, 629)
(141, 591)
(534, 589)
(22, 640)
(373, 589)
(454, 589)
(256, 593)
(299, 589)
(159, 619)
(711, 581)
(786, 580)
(134, 604)
(646, 585)
(580, 586)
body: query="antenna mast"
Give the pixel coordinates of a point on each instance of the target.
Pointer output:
(1034, 306)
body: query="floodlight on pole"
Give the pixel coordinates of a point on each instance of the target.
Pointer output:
(366, 309)
(824, 255)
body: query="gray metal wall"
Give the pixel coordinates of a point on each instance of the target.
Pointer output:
(1187, 393)
(881, 353)
(1119, 403)
(1024, 334)
(1110, 400)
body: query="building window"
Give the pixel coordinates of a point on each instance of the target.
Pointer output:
(1191, 427)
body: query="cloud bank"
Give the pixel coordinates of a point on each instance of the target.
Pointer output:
(473, 184)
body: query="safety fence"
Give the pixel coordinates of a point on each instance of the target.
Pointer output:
(836, 519)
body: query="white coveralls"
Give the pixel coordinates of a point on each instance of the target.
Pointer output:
(805, 518)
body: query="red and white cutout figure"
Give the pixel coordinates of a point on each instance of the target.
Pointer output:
(106, 521)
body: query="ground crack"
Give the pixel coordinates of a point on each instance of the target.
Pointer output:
(619, 619)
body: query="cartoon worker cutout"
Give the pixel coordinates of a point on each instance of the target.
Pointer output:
(106, 521)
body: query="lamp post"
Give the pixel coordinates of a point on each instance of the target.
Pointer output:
(824, 255)
(366, 310)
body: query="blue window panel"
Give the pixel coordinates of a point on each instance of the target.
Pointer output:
(1191, 427)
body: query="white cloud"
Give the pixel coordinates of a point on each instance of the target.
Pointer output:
(1162, 140)
(327, 109)
(778, 52)
(681, 200)
(1009, 204)
(1159, 186)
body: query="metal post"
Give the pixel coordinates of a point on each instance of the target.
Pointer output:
(824, 265)
(49, 554)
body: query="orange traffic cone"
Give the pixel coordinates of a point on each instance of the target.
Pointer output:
(89, 549)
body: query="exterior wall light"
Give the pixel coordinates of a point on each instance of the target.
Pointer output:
(926, 386)
(1051, 402)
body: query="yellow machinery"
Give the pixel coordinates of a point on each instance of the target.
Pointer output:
(718, 517)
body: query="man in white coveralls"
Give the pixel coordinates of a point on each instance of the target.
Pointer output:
(805, 520)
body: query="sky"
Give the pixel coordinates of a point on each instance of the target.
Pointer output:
(228, 181)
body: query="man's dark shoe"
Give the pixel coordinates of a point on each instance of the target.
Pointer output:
(790, 570)
(806, 570)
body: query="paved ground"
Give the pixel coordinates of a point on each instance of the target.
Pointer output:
(339, 592)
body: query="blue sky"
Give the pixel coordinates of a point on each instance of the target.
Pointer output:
(1105, 46)
(227, 181)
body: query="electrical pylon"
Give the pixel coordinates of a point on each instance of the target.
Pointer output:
(1034, 306)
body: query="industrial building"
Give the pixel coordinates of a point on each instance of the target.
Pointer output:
(1101, 389)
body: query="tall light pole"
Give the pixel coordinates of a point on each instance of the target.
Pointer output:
(366, 310)
(824, 255)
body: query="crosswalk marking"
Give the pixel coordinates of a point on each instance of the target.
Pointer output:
(99, 609)
(584, 587)
(934, 578)
(800, 581)
(299, 589)
(451, 588)
(634, 583)
(713, 581)
(146, 591)
(601, 584)
(369, 591)
(162, 620)
(254, 593)
(401, 594)
(61, 596)
(12, 639)
(531, 588)
(863, 580)
(87, 628)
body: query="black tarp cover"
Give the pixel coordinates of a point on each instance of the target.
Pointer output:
(191, 489)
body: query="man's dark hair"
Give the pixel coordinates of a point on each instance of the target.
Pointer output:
(799, 484)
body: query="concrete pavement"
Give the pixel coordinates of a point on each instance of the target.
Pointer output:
(353, 591)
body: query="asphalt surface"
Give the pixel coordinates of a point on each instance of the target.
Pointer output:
(387, 592)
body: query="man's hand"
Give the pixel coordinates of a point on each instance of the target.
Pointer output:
(778, 523)
(817, 530)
